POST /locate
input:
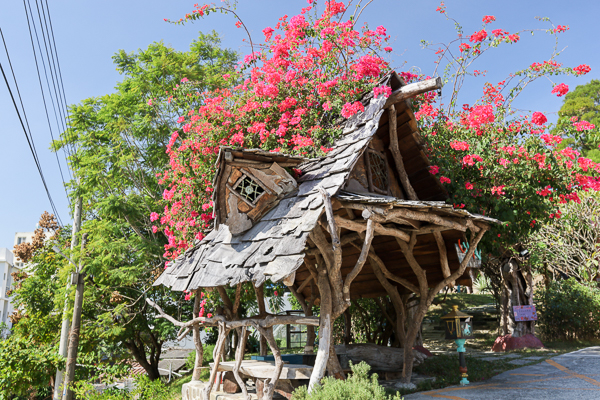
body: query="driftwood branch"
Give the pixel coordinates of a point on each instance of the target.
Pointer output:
(443, 255)
(387, 273)
(267, 322)
(453, 223)
(360, 226)
(395, 149)
(361, 260)
(239, 356)
(412, 90)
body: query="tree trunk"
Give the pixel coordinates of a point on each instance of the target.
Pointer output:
(517, 290)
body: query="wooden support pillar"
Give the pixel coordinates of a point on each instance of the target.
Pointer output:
(197, 340)
(217, 355)
(324, 331)
(239, 357)
(260, 298)
(395, 149)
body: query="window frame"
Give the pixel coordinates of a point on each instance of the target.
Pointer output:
(372, 187)
(242, 197)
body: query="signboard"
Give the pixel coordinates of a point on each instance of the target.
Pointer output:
(525, 313)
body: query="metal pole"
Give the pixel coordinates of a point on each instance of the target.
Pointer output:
(64, 330)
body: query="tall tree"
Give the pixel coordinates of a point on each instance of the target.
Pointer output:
(117, 144)
(582, 104)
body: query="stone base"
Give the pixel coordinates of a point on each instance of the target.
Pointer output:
(508, 343)
(193, 391)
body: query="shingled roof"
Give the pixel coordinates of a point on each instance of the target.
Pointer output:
(275, 246)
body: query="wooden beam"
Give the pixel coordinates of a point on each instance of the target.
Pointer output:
(395, 149)
(412, 90)
(360, 226)
(457, 224)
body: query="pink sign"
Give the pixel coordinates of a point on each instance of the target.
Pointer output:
(525, 313)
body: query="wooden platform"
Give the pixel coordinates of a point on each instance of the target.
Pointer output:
(265, 369)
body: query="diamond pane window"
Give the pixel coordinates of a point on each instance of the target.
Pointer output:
(378, 171)
(249, 189)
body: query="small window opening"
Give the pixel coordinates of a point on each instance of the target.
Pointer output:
(378, 172)
(249, 189)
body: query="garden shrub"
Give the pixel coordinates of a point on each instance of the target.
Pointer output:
(569, 310)
(145, 389)
(358, 386)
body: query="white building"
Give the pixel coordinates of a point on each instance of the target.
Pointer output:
(7, 267)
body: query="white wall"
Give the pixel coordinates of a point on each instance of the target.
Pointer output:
(6, 269)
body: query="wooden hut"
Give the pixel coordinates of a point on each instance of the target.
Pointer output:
(366, 220)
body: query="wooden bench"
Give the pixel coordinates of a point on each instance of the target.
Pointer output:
(292, 375)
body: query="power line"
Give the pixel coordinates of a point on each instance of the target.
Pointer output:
(41, 88)
(60, 79)
(31, 145)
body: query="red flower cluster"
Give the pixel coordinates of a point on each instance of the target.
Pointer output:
(582, 69)
(561, 89)
(488, 18)
(538, 118)
(478, 36)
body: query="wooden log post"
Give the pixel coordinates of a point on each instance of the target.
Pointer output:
(324, 331)
(217, 354)
(197, 340)
(395, 149)
(271, 383)
(412, 90)
(260, 299)
(239, 357)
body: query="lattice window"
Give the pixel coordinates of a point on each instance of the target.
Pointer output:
(378, 171)
(249, 189)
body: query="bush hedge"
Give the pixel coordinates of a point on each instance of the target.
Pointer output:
(569, 310)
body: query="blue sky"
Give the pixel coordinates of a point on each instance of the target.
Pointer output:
(88, 33)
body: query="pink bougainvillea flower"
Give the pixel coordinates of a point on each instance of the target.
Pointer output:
(488, 18)
(538, 118)
(444, 179)
(388, 49)
(434, 169)
(154, 216)
(582, 69)
(478, 37)
(561, 89)
(461, 146)
(468, 185)
(349, 109)
(561, 28)
(464, 47)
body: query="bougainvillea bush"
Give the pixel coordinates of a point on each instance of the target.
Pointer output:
(309, 71)
(492, 159)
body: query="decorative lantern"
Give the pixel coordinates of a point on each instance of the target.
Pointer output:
(459, 326)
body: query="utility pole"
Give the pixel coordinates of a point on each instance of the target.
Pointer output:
(64, 331)
(77, 279)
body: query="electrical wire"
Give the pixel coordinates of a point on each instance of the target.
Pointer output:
(41, 88)
(70, 149)
(31, 146)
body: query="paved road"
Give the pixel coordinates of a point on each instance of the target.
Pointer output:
(573, 375)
